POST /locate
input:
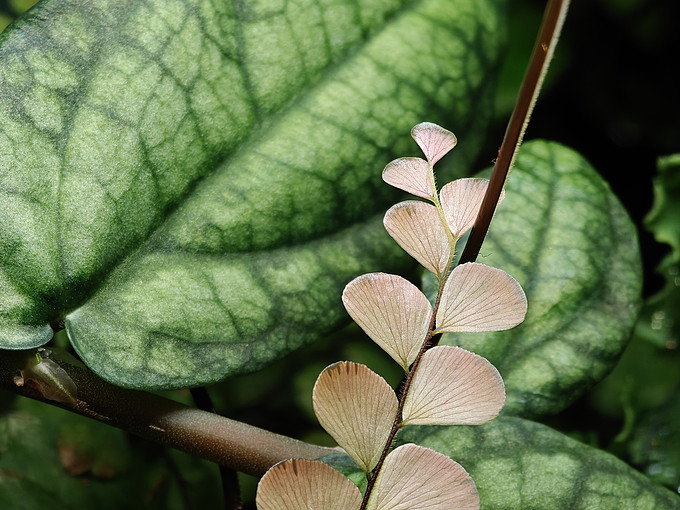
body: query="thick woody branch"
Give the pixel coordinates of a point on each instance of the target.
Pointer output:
(207, 435)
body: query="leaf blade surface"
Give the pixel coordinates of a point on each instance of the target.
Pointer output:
(139, 133)
(517, 463)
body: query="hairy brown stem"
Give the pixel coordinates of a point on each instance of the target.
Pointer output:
(206, 435)
(553, 18)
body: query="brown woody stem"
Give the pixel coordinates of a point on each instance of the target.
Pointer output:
(553, 18)
(227, 442)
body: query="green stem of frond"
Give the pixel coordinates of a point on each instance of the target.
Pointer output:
(449, 235)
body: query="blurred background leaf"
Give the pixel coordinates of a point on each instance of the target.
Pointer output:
(644, 389)
(51, 458)
(10, 9)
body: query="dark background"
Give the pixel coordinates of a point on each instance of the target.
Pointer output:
(613, 95)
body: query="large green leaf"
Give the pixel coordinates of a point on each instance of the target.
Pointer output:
(518, 463)
(566, 238)
(51, 458)
(179, 178)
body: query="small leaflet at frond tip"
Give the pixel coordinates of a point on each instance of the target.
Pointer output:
(392, 311)
(461, 200)
(433, 140)
(477, 297)
(419, 478)
(356, 407)
(308, 484)
(454, 387)
(417, 228)
(411, 175)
